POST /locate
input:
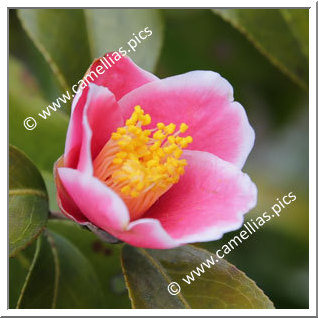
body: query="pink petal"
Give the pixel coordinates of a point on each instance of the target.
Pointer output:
(204, 101)
(101, 117)
(104, 116)
(122, 77)
(64, 201)
(85, 161)
(74, 132)
(91, 201)
(147, 233)
(98, 203)
(209, 200)
(90, 126)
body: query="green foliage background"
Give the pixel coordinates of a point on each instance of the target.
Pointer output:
(264, 55)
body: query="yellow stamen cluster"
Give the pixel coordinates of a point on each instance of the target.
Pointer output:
(142, 164)
(148, 158)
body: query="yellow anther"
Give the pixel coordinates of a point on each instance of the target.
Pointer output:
(189, 139)
(180, 170)
(172, 139)
(122, 143)
(177, 153)
(183, 127)
(170, 149)
(178, 139)
(146, 120)
(170, 129)
(117, 161)
(160, 153)
(151, 163)
(142, 160)
(144, 139)
(146, 133)
(138, 109)
(185, 141)
(158, 135)
(130, 122)
(121, 154)
(155, 146)
(132, 129)
(183, 162)
(121, 130)
(140, 186)
(116, 136)
(160, 126)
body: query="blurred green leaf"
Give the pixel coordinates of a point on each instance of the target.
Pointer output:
(270, 32)
(60, 35)
(104, 258)
(28, 202)
(51, 190)
(59, 277)
(278, 166)
(110, 29)
(148, 273)
(270, 98)
(298, 22)
(79, 36)
(45, 143)
(276, 261)
(18, 270)
(23, 48)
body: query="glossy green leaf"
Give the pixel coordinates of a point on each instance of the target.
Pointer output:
(111, 29)
(276, 261)
(149, 272)
(104, 258)
(59, 277)
(79, 36)
(60, 35)
(45, 143)
(273, 35)
(28, 202)
(18, 270)
(298, 22)
(23, 48)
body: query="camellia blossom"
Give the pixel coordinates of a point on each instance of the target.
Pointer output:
(156, 162)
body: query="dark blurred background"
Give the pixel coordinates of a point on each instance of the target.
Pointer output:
(276, 257)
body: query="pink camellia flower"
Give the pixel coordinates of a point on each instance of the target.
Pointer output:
(156, 162)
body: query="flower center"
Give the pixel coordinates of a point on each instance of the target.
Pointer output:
(142, 164)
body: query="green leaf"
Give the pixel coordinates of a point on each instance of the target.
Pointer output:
(274, 36)
(259, 86)
(18, 270)
(79, 36)
(28, 202)
(66, 52)
(110, 29)
(59, 277)
(298, 22)
(281, 270)
(60, 35)
(149, 272)
(105, 260)
(45, 143)
(23, 48)
(51, 190)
